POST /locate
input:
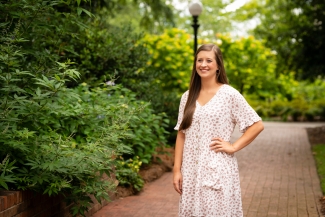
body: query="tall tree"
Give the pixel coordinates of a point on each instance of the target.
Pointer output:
(295, 30)
(148, 15)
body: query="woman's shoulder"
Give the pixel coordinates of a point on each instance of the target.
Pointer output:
(185, 94)
(230, 90)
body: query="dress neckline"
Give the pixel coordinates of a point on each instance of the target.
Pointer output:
(211, 97)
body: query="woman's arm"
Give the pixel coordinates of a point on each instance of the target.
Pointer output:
(219, 145)
(250, 134)
(178, 179)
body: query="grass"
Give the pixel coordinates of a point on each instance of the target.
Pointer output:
(319, 154)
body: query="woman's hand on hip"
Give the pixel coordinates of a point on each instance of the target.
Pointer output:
(219, 145)
(178, 181)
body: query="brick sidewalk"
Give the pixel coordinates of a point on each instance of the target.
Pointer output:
(277, 172)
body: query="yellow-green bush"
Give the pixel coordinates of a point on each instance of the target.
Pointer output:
(171, 55)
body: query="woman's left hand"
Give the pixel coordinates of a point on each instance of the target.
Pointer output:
(219, 145)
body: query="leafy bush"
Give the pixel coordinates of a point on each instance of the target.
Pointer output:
(57, 139)
(60, 140)
(172, 56)
(63, 139)
(148, 132)
(306, 102)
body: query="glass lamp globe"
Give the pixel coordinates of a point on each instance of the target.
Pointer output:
(195, 8)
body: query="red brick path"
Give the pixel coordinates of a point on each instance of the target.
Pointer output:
(277, 172)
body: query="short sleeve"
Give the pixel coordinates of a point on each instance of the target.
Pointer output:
(242, 113)
(181, 110)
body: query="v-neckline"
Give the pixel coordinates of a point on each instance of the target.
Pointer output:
(197, 102)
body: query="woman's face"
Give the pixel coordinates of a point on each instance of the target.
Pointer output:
(206, 64)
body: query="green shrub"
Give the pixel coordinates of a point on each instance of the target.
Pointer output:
(60, 140)
(148, 132)
(59, 143)
(171, 55)
(64, 139)
(306, 102)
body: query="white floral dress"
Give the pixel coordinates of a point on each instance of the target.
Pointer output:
(211, 185)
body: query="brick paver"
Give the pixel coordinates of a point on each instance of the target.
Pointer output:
(277, 172)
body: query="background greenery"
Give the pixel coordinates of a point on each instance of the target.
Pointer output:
(92, 87)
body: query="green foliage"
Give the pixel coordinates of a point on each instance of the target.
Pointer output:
(6, 170)
(127, 173)
(148, 132)
(60, 145)
(116, 54)
(44, 27)
(62, 140)
(146, 129)
(304, 102)
(172, 55)
(319, 155)
(308, 102)
(65, 139)
(105, 51)
(148, 15)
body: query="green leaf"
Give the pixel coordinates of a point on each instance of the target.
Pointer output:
(38, 91)
(87, 12)
(57, 77)
(3, 184)
(4, 24)
(79, 10)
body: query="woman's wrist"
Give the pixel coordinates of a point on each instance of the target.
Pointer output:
(176, 169)
(233, 148)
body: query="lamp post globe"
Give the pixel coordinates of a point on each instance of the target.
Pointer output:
(195, 9)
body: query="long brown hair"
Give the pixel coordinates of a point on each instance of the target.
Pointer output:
(195, 83)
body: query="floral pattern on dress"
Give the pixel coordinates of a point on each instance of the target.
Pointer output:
(211, 185)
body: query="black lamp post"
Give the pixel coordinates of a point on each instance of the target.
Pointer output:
(195, 9)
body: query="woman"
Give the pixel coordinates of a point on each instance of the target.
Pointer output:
(205, 168)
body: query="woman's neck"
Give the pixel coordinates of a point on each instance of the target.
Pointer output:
(209, 85)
